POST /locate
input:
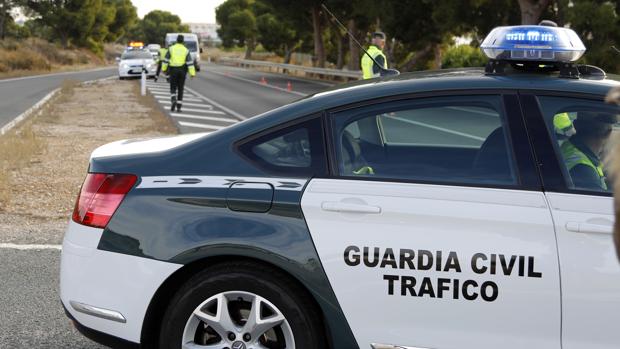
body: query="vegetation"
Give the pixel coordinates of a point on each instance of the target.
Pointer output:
(421, 33)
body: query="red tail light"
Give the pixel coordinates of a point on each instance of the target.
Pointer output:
(100, 196)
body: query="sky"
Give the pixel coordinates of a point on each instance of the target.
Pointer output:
(190, 11)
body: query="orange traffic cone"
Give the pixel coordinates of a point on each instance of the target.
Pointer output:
(289, 86)
(263, 81)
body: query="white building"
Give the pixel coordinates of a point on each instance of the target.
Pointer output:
(207, 32)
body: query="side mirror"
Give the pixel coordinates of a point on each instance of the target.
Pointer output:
(201, 50)
(118, 59)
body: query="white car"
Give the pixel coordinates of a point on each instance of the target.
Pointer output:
(154, 49)
(131, 62)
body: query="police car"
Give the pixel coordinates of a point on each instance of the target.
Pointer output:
(449, 209)
(133, 61)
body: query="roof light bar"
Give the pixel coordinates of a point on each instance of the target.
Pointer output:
(533, 43)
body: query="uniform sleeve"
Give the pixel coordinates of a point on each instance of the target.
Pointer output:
(164, 65)
(585, 177)
(190, 64)
(376, 69)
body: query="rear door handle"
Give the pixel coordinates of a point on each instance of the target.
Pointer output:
(589, 228)
(349, 207)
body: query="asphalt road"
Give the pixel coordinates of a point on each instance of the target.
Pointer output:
(19, 94)
(31, 315)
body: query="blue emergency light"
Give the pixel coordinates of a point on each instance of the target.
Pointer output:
(533, 43)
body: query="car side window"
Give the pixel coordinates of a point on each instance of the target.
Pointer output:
(296, 150)
(581, 130)
(454, 140)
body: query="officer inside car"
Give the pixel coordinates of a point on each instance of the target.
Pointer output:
(583, 150)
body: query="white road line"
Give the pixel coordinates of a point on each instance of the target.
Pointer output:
(158, 97)
(474, 111)
(159, 89)
(209, 100)
(260, 84)
(193, 124)
(54, 74)
(26, 247)
(35, 108)
(204, 111)
(202, 117)
(208, 106)
(462, 134)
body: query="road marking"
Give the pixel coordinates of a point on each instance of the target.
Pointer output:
(160, 97)
(203, 110)
(167, 101)
(202, 117)
(26, 247)
(462, 134)
(35, 108)
(54, 74)
(193, 124)
(260, 84)
(228, 110)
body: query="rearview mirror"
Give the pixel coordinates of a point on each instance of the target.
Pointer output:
(201, 50)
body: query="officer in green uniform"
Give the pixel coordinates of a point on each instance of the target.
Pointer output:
(160, 59)
(583, 150)
(180, 62)
(369, 68)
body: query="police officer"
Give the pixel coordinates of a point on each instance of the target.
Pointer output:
(375, 50)
(161, 55)
(180, 62)
(582, 151)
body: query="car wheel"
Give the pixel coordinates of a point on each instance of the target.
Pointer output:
(242, 306)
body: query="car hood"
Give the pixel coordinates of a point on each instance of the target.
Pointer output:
(137, 61)
(143, 145)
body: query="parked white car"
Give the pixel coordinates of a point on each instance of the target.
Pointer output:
(131, 62)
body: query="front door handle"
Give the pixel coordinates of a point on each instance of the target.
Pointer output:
(349, 207)
(589, 228)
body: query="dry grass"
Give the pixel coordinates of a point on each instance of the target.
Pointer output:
(162, 123)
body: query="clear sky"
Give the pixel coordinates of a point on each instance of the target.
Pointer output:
(190, 11)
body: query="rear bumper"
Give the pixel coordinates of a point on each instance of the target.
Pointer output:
(97, 286)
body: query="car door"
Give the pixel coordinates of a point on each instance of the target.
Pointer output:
(433, 229)
(583, 217)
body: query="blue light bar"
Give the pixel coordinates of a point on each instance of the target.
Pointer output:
(533, 43)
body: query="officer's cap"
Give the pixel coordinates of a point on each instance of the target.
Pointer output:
(380, 35)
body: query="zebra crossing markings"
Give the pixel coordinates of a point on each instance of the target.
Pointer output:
(206, 117)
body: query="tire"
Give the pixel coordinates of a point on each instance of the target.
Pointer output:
(121, 78)
(230, 282)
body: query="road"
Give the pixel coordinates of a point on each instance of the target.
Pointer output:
(19, 94)
(30, 312)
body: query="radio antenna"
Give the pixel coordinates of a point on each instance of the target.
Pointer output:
(382, 71)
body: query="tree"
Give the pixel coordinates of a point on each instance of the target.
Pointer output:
(531, 10)
(6, 18)
(237, 24)
(125, 17)
(155, 24)
(277, 35)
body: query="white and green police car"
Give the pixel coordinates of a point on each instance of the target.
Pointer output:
(450, 209)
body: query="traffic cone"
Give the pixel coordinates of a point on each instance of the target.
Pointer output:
(289, 86)
(263, 81)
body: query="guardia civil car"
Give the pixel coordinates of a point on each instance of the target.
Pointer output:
(447, 209)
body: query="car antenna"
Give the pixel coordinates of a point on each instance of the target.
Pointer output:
(615, 49)
(383, 71)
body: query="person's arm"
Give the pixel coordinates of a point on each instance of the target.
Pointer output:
(164, 65)
(376, 69)
(190, 65)
(585, 177)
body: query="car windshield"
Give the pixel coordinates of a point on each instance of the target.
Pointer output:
(136, 55)
(191, 45)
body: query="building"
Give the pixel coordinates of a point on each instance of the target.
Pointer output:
(207, 32)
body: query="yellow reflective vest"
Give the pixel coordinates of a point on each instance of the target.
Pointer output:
(162, 54)
(573, 157)
(178, 56)
(367, 63)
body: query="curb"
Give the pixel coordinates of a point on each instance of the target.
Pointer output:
(30, 111)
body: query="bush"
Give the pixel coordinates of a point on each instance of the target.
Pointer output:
(463, 56)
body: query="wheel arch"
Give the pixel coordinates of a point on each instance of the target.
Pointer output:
(159, 302)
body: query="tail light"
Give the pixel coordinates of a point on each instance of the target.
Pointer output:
(100, 196)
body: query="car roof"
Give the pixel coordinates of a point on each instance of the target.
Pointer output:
(462, 79)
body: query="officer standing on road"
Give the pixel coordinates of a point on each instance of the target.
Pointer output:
(161, 55)
(375, 50)
(180, 62)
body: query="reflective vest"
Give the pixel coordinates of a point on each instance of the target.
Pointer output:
(162, 54)
(573, 157)
(367, 63)
(178, 56)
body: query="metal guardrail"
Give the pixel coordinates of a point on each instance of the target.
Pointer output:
(281, 67)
